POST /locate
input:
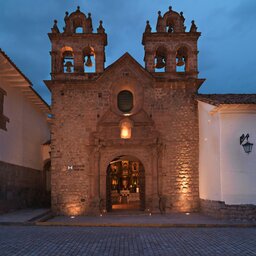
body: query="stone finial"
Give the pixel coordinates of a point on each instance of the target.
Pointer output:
(65, 20)
(55, 28)
(78, 8)
(66, 17)
(170, 8)
(148, 27)
(89, 27)
(193, 27)
(181, 15)
(160, 27)
(100, 29)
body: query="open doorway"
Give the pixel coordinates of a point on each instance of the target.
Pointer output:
(125, 184)
(46, 200)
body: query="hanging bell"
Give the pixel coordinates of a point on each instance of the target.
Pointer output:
(68, 54)
(160, 62)
(89, 61)
(180, 62)
(68, 65)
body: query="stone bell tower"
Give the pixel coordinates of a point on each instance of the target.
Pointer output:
(77, 50)
(78, 57)
(171, 58)
(171, 50)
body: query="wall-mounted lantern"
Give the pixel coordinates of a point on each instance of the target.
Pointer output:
(247, 145)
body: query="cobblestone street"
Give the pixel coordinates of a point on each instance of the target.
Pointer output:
(34, 240)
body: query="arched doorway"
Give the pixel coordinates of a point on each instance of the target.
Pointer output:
(125, 184)
(47, 184)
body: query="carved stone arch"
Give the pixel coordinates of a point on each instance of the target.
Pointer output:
(160, 56)
(89, 59)
(67, 59)
(108, 156)
(183, 52)
(88, 50)
(145, 176)
(65, 49)
(183, 45)
(162, 48)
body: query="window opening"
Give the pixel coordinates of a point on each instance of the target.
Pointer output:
(3, 118)
(180, 64)
(68, 62)
(89, 60)
(125, 101)
(79, 30)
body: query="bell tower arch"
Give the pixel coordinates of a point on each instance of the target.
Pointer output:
(171, 50)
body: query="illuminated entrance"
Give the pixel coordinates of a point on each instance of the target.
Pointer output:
(125, 184)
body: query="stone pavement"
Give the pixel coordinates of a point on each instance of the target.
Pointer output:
(119, 234)
(124, 241)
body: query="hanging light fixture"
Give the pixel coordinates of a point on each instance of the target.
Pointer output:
(247, 145)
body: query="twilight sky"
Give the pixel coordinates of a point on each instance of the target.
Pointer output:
(227, 57)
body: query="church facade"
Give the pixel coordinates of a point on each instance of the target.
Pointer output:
(125, 136)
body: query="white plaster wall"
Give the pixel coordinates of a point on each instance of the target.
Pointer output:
(238, 169)
(209, 153)
(26, 131)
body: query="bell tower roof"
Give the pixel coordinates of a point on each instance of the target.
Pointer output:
(175, 19)
(78, 19)
(75, 20)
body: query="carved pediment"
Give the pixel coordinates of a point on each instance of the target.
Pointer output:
(125, 68)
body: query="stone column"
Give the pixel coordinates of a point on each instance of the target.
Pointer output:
(78, 62)
(99, 61)
(149, 61)
(192, 62)
(171, 61)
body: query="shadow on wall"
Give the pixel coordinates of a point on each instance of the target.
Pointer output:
(21, 187)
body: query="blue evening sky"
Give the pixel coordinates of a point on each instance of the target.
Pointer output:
(227, 57)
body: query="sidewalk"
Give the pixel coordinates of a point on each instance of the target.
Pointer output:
(145, 220)
(43, 217)
(22, 217)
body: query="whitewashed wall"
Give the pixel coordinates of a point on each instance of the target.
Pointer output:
(209, 154)
(226, 172)
(26, 131)
(238, 169)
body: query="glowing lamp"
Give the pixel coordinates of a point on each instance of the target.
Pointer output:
(125, 129)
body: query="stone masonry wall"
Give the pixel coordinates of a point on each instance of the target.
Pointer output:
(221, 210)
(74, 115)
(175, 117)
(20, 187)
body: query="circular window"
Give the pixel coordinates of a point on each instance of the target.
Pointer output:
(125, 101)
